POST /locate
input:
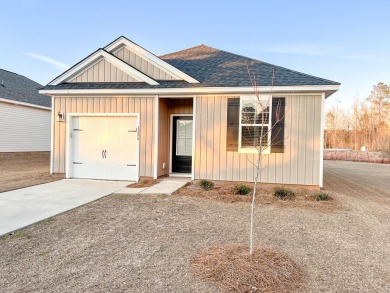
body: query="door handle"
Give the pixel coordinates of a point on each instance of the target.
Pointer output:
(104, 154)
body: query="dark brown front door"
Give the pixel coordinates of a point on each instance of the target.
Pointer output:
(181, 144)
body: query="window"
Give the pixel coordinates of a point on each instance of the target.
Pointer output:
(255, 124)
(184, 138)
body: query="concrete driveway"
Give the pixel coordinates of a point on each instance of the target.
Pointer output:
(26, 206)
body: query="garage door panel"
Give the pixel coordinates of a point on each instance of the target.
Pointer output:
(105, 148)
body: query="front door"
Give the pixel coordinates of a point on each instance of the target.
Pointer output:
(181, 144)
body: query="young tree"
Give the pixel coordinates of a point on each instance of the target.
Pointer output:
(259, 136)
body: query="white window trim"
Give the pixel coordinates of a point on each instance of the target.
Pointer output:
(255, 150)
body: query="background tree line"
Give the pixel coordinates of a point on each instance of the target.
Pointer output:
(365, 124)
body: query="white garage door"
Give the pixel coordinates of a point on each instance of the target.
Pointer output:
(105, 148)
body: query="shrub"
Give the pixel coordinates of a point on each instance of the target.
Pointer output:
(321, 196)
(241, 189)
(206, 184)
(283, 193)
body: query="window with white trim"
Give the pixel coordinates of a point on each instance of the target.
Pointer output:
(255, 124)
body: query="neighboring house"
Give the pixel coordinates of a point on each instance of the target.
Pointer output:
(24, 115)
(129, 113)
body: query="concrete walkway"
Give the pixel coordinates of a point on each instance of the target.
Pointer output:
(165, 186)
(23, 207)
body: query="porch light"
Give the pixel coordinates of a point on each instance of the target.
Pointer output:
(60, 117)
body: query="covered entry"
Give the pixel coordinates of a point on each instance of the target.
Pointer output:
(103, 147)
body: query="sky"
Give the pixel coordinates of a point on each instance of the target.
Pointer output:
(345, 41)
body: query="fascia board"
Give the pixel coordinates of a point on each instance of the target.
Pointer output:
(17, 103)
(195, 90)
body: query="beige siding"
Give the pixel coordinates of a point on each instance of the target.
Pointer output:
(142, 65)
(299, 164)
(163, 138)
(166, 108)
(142, 105)
(103, 71)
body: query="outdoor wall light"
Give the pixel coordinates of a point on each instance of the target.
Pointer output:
(60, 117)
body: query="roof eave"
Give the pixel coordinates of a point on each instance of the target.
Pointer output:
(327, 89)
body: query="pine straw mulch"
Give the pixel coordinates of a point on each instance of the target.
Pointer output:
(224, 192)
(144, 182)
(231, 267)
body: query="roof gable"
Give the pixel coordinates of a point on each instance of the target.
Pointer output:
(18, 88)
(95, 58)
(171, 71)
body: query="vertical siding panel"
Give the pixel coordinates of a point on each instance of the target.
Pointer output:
(271, 168)
(286, 161)
(143, 129)
(302, 125)
(198, 137)
(294, 139)
(236, 166)
(125, 105)
(79, 106)
(113, 101)
(316, 140)
(147, 107)
(107, 70)
(242, 166)
(222, 141)
(210, 137)
(309, 140)
(62, 134)
(119, 105)
(56, 142)
(102, 104)
(96, 105)
(203, 134)
(217, 138)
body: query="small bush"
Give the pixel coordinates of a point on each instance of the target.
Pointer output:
(321, 196)
(283, 193)
(206, 184)
(241, 189)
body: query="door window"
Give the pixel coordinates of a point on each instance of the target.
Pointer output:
(184, 137)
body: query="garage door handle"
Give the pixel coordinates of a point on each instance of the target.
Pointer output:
(104, 154)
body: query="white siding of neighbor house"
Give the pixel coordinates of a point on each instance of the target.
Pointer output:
(24, 129)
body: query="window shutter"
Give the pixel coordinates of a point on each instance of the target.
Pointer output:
(277, 132)
(233, 123)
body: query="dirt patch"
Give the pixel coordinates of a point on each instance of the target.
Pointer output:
(20, 170)
(232, 268)
(224, 192)
(143, 243)
(144, 182)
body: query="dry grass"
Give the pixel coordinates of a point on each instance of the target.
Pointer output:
(144, 182)
(224, 192)
(231, 267)
(19, 170)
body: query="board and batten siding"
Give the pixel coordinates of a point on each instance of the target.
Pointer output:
(24, 129)
(103, 71)
(299, 164)
(142, 65)
(107, 105)
(166, 108)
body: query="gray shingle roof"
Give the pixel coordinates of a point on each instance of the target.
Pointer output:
(214, 68)
(16, 87)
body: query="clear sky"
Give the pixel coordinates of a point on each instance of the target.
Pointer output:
(345, 41)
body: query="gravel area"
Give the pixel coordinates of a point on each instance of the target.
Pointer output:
(20, 170)
(145, 243)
